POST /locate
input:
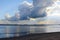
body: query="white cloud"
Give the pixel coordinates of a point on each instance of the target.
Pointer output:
(7, 16)
(54, 10)
(39, 8)
(25, 10)
(42, 3)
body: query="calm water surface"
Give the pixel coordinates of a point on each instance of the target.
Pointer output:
(11, 31)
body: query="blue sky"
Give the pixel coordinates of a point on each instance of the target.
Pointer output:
(9, 6)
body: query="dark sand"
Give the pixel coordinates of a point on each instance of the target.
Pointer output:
(44, 36)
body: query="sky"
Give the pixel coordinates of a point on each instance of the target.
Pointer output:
(9, 6)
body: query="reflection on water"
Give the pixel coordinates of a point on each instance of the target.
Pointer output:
(11, 31)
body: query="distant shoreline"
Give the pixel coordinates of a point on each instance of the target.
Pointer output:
(28, 24)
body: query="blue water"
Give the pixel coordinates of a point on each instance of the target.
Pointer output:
(12, 31)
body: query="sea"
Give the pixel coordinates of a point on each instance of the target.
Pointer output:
(15, 31)
(52, 25)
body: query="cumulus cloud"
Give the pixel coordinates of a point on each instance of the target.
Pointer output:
(7, 16)
(43, 3)
(39, 8)
(25, 10)
(35, 10)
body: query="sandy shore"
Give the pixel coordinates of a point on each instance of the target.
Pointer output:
(44, 36)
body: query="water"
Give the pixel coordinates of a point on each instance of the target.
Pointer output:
(12, 31)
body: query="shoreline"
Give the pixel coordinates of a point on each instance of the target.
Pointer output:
(38, 36)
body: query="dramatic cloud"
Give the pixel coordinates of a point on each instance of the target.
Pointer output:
(43, 3)
(39, 8)
(25, 10)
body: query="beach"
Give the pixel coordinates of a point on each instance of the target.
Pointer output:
(38, 36)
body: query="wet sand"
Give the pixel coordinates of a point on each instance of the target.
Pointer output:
(39, 36)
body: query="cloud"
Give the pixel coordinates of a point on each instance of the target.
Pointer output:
(25, 10)
(54, 10)
(7, 16)
(39, 8)
(43, 3)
